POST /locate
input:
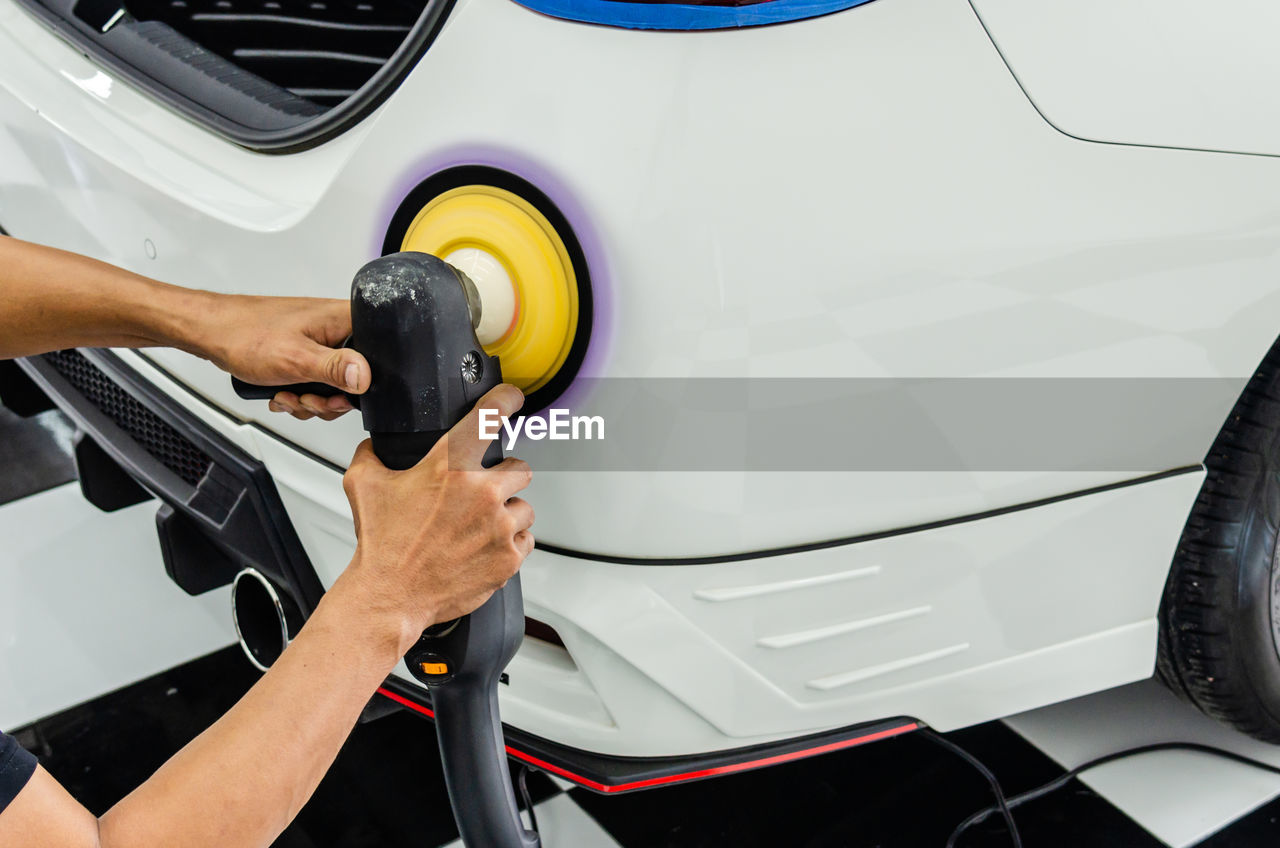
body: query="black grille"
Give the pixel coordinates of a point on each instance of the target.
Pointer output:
(166, 444)
(320, 50)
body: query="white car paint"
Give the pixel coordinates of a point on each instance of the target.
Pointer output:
(952, 626)
(880, 200)
(1174, 73)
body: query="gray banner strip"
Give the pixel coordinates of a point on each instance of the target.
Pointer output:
(969, 424)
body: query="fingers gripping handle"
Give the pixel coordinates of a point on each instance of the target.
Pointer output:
(252, 391)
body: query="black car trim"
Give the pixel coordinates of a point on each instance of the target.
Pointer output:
(869, 537)
(614, 775)
(234, 504)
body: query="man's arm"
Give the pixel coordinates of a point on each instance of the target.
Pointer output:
(51, 299)
(244, 779)
(434, 543)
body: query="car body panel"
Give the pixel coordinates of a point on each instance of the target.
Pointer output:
(995, 248)
(952, 626)
(1180, 74)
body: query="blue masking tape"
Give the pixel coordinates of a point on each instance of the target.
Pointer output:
(678, 16)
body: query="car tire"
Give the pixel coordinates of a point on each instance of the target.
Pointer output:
(1219, 643)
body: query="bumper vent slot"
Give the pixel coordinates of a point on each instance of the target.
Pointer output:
(156, 436)
(320, 50)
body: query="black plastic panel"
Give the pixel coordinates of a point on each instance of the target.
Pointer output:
(176, 452)
(102, 481)
(231, 513)
(189, 559)
(18, 393)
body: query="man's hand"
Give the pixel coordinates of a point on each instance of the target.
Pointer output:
(436, 540)
(54, 299)
(274, 340)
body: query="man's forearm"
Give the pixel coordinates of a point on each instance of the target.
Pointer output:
(241, 781)
(54, 299)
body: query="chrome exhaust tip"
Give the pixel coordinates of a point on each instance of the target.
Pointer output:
(266, 617)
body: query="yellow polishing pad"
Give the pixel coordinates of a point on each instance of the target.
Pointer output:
(521, 268)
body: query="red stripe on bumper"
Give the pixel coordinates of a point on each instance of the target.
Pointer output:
(684, 776)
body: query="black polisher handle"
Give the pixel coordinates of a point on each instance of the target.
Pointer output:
(469, 729)
(252, 391)
(468, 722)
(411, 320)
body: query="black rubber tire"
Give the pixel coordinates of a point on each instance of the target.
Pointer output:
(1218, 640)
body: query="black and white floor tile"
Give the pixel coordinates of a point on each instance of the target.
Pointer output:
(386, 787)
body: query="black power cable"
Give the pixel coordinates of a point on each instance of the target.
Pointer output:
(523, 781)
(1004, 807)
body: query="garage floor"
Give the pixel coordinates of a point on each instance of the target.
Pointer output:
(386, 787)
(80, 581)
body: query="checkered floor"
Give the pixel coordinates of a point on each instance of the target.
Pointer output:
(386, 786)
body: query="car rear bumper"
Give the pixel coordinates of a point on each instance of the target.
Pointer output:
(641, 673)
(220, 511)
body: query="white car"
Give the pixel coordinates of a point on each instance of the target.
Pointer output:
(1030, 247)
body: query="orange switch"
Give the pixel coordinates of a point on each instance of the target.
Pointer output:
(434, 667)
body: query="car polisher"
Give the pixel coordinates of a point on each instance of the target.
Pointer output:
(413, 317)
